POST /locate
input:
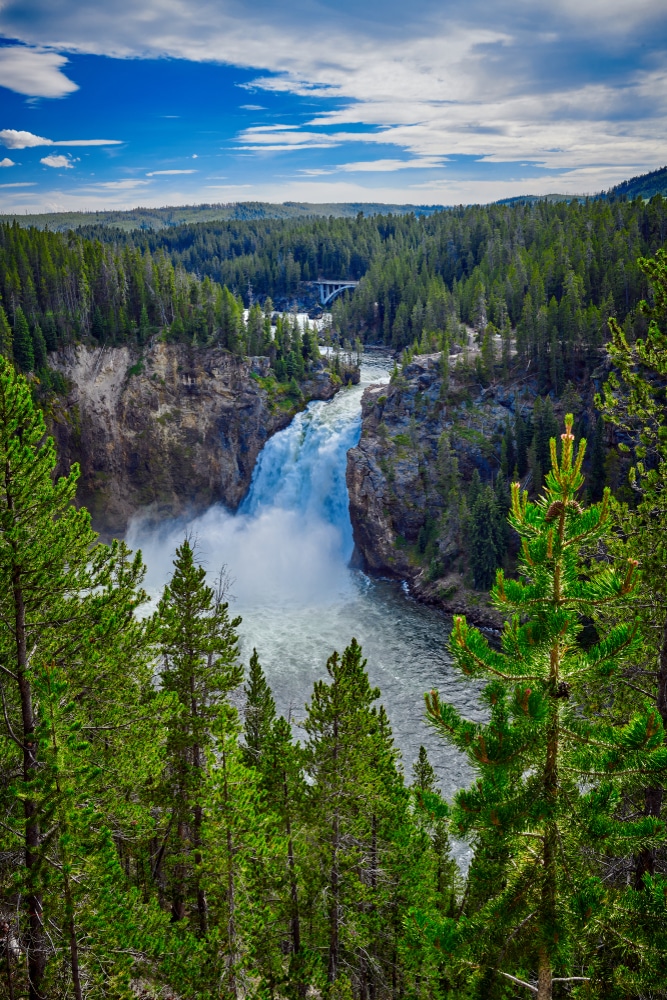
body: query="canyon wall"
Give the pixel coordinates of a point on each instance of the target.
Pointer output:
(423, 435)
(168, 432)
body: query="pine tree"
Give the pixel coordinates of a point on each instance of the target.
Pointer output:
(199, 646)
(239, 847)
(260, 713)
(285, 791)
(521, 435)
(546, 773)
(5, 335)
(485, 544)
(338, 725)
(22, 346)
(39, 347)
(144, 325)
(633, 401)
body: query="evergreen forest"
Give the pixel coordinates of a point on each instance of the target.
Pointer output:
(164, 832)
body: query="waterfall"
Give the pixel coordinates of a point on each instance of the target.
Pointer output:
(290, 542)
(302, 469)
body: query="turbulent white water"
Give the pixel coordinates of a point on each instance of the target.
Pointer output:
(288, 550)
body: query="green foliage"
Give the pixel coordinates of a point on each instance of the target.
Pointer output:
(74, 678)
(543, 808)
(23, 350)
(199, 648)
(260, 712)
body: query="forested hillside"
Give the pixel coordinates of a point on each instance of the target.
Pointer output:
(157, 841)
(160, 218)
(553, 273)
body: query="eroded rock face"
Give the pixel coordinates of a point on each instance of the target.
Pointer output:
(168, 434)
(396, 476)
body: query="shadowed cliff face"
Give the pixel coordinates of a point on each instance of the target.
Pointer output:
(169, 434)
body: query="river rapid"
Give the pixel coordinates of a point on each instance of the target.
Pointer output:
(288, 550)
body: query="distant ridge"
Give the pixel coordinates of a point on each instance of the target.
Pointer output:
(161, 218)
(643, 186)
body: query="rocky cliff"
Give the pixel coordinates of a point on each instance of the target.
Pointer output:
(420, 434)
(168, 432)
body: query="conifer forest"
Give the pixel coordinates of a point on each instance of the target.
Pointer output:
(164, 831)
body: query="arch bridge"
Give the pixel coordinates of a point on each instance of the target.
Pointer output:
(329, 289)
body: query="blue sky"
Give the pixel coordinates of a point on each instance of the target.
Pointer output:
(154, 102)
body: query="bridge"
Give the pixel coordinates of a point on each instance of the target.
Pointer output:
(329, 289)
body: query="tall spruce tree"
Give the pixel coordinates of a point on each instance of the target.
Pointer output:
(199, 647)
(260, 713)
(23, 351)
(546, 773)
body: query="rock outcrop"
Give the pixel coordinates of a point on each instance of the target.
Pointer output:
(169, 432)
(397, 477)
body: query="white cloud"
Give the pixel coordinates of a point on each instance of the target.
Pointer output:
(500, 80)
(59, 162)
(126, 185)
(13, 139)
(161, 173)
(20, 184)
(87, 142)
(7, 162)
(34, 72)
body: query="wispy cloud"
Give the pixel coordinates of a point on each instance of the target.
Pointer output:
(164, 173)
(15, 139)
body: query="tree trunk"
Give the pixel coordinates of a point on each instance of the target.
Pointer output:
(231, 885)
(295, 922)
(33, 900)
(370, 973)
(662, 676)
(178, 889)
(73, 943)
(334, 909)
(202, 904)
(544, 978)
(645, 859)
(231, 913)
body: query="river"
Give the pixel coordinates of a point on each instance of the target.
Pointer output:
(288, 551)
